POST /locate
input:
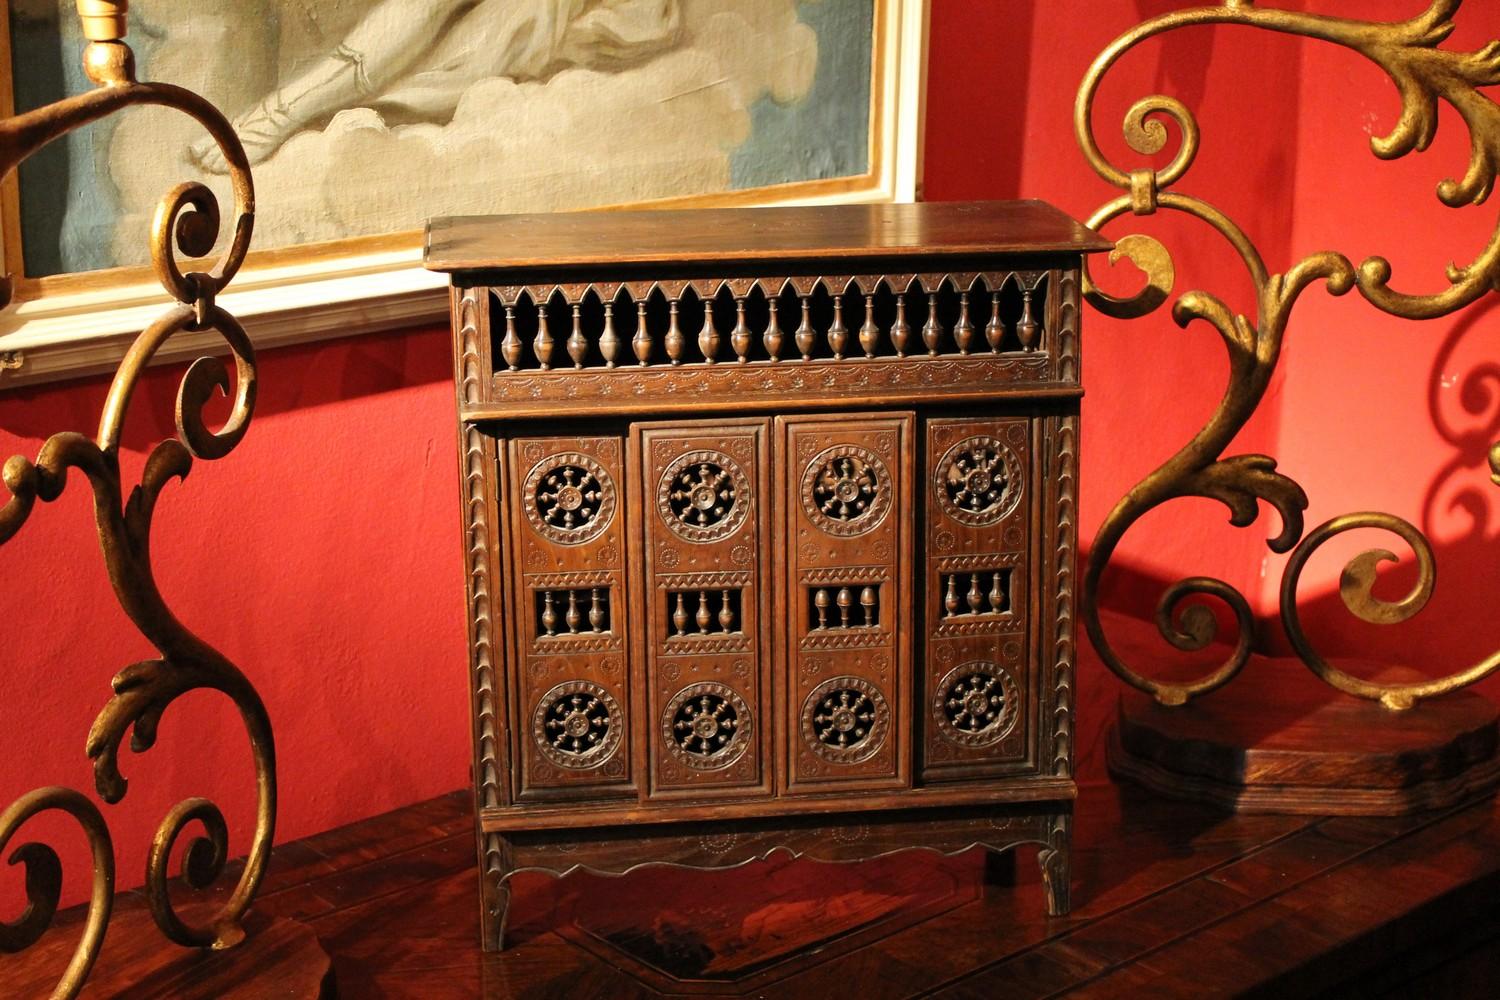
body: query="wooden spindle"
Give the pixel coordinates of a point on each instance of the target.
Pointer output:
(901, 329)
(845, 603)
(578, 345)
(997, 593)
(932, 330)
(704, 616)
(821, 602)
(510, 346)
(805, 336)
(963, 333)
(1027, 329)
(773, 336)
(838, 333)
(708, 337)
(869, 333)
(679, 616)
(641, 342)
(596, 612)
(574, 617)
(867, 602)
(726, 613)
(740, 338)
(974, 596)
(549, 613)
(609, 340)
(994, 330)
(675, 339)
(950, 600)
(542, 345)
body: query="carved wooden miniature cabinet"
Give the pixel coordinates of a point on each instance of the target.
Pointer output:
(770, 517)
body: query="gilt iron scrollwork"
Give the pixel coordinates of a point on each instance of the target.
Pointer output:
(1424, 74)
(187, 222)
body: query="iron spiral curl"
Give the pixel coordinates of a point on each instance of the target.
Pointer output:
(1407, 51)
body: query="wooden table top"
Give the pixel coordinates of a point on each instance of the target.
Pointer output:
(582, 240)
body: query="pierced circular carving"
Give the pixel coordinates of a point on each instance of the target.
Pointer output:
(569, 498)
(845, 719)
(577, 725)
(846, 490)
(707, 726)
(703, 496)
(977, 704)
(979, 481)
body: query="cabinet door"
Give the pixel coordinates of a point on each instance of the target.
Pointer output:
(977, 685)
(846, 513)
(568, 599)
(702, 494)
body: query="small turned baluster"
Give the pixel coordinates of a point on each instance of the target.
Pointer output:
(774, 335)
(549, 613)
(708, 337)
(704, 616)
(675, 339)
(932, 330)
(641, 342)
(867, 602)
(901, 329)
(805, 336)
(740, 338)
(578, 346)
(950, 600)
(726, 613)
(609, 340)
(838, 333)
(994, 330)
(997, 594)
(845, 602)
(963, 333)
(574, 617)
(821, 602)
(542, 344)
(510, 347)
(596, 612)
(1027, 328)
(680, 617)
(975, 597)
(869, 333)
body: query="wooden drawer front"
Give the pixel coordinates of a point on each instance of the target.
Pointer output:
(977, 685)
(845, 500)
(568, 602)
(702, 493)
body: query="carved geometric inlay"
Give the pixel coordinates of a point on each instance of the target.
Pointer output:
(703, 496)
(578, 725)
(976, 704)
(570, 498)
(844, 720)
(846, 491)
(706, 726)
(979, 481)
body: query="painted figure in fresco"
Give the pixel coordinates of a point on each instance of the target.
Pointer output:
(413, 60)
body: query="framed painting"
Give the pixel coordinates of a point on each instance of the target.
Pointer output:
(363, 119)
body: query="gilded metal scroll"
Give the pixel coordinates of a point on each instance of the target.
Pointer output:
(188, 223)
(1424, 74)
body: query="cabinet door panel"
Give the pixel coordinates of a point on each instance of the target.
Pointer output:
(571, 719)
(702, 494)
(846, 511)
(976, 682)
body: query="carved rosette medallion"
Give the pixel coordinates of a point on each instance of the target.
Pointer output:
(569, 498)
(578, 725)
(979, 481)
(707, 726)
(846, 490)
(977, 704)
(845, 720)
(703, 496)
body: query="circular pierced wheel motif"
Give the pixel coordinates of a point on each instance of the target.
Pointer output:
(703, 496)
(976, 704)
(979, 481)
(845, 719)
(577, 725)
(707, 726)
(846, 490)
(570, 498)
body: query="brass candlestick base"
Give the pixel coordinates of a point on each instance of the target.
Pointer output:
(1306, 748)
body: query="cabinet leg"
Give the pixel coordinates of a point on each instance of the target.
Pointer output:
(1056, 862)
(495, 867)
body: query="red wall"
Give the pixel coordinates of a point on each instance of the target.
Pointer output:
(323, 556)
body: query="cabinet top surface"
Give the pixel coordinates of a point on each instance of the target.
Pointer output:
(706, 236)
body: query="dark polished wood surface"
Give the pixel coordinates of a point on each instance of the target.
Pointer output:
(748, 235)
(1170, 900)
